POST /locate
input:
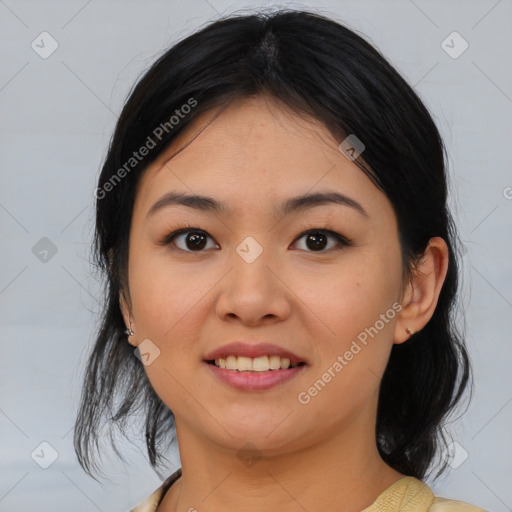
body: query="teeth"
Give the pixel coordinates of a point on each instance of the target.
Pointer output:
(230, 363)
(257, 364)
(274, 362)
(260, 364)
(244, 364)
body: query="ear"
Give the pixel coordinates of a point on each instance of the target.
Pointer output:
(422, 291)
(127, 316)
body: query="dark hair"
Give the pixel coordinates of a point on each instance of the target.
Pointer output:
(321, 69)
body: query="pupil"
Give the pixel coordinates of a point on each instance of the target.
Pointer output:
(198, 241)
(318, 240)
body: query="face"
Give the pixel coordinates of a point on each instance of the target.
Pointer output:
(248, 272)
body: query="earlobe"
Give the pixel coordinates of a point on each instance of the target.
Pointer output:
(126, 312)
(423, 290)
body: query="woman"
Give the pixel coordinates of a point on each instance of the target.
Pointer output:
(281, 265)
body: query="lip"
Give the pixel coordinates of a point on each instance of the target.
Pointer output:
(240, 348)
(254, 381)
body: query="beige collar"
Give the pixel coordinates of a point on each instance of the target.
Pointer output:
(406, 495)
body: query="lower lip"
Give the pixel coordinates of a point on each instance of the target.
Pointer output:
(255, 381)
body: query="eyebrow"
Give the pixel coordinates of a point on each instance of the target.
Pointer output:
(291, 205)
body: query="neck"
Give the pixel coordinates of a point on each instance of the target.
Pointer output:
(341, 468)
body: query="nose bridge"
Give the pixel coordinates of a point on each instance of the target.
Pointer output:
(251, 290)
(252, 258)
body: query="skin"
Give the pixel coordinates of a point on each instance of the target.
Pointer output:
(256, 154)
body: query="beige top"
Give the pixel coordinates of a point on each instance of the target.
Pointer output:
(406, 495)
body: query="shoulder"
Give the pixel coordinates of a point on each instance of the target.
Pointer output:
(412, 495)
(151, 502)
(445, 505)
(416, 495)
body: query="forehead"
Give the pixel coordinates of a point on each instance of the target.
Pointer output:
(256, 149)
(256, 128)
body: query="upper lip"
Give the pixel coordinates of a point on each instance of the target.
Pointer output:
(252, 350)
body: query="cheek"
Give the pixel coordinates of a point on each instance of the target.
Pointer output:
(353, 341)
(352, 296)
(168, 306)
(355, 337)
(164, 296)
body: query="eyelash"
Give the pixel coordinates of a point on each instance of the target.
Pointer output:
(343, 240)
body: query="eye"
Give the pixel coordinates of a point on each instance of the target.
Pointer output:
(191, 239)
(318, 239)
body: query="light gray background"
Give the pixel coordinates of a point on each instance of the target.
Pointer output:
(57, 115)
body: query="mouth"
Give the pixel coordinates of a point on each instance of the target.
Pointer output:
(260, 364)
(241, 356)
(255, 374)
(251, 367)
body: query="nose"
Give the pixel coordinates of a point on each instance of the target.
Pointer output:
(254, 293)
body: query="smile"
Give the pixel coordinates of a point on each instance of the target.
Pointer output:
(256, 364)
